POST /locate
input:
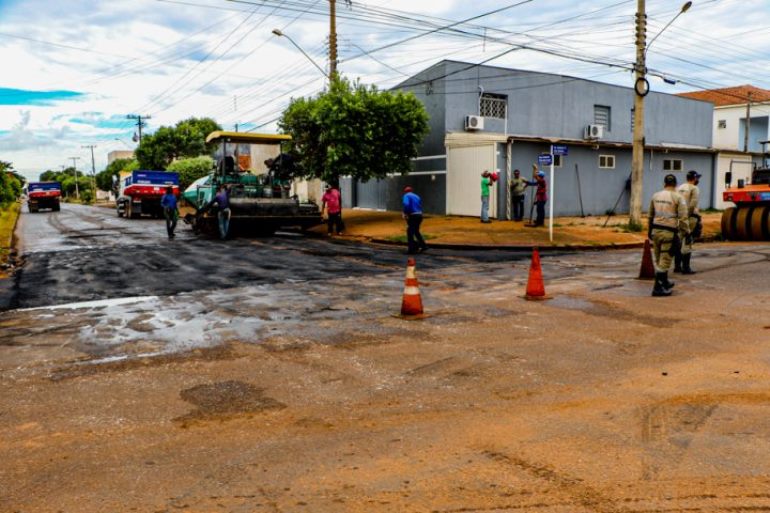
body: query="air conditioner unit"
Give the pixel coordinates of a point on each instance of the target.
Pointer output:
(594, 132)
(474, 122)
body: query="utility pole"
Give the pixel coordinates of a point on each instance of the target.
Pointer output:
(93, 168)
(332, 38)
(75, 167)
(641, 87)
(748, 124)
(139, 123)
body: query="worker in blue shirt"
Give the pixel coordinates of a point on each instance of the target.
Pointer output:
(413, 216)
(170, 210)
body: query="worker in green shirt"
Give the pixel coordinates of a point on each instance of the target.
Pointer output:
(486, 182)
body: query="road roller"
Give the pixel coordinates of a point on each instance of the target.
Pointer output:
(749, 219)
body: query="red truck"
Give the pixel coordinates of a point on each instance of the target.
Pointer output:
(140, 192)
(43, 195)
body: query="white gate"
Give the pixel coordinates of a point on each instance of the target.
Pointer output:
(463, 182)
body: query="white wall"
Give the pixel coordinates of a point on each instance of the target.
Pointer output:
(742, 167)
(729, 138)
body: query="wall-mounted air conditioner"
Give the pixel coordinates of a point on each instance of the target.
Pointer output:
(594, 132)
(474, 123)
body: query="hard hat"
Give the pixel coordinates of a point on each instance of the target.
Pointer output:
(541, 173)
(407, 189)
(669, 179)
(693, 175)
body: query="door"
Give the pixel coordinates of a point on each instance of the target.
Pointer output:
(463, 182)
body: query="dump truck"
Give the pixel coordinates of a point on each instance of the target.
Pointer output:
(749, 219)
(43, 195)
(140, 192)
(259, 190)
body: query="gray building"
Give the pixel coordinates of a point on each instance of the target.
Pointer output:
(486, 117)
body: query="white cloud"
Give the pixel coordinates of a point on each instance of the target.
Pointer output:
(138, 49)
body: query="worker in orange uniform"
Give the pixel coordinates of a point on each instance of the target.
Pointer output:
(667, 226)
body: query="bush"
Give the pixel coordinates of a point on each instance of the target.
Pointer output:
(191, 169)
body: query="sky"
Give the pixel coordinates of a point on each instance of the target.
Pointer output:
(73, 70)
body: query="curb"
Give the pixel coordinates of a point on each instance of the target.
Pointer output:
(519, 247)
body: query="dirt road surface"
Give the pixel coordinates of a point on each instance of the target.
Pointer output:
(271, 376)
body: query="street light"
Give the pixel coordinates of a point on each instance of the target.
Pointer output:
(641, 88)
(279, 33)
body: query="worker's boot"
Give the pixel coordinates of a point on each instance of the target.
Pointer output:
(659, 289)
(686, 269)
(666, 283)
(678, 263)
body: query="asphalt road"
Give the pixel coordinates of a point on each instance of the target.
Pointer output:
(86, 253)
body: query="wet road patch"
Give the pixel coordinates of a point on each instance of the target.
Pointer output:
(225, 400)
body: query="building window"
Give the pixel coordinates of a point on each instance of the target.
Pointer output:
(722, 123)
(557, 161)
(672, 164)
(602, 116)
(493, 106)
(606, 161)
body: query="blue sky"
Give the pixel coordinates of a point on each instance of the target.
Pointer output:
(73, 70)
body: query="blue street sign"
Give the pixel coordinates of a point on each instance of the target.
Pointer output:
(560, 149)
(544, 159)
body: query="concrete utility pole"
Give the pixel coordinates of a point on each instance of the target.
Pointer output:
(748, 124)
(641, 88)
(75, 167)
(139, 123)
(332, 38)
(93, 167)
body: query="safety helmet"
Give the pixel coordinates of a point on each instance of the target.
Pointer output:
(407, 189)
(541, 173)
(669, 179)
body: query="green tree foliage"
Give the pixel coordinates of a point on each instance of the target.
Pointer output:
(104, 178)
(186, 139)
(66, 178)
(10, 184)
(355, 130)
(191, 169)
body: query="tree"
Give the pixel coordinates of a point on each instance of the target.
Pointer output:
(104, 178)
(355, 130)
(10, 183)
(191, 169)
(186, 139)
(66, 178)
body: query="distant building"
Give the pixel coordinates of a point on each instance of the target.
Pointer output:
(486, 117)
(736, 152)
(119, 154)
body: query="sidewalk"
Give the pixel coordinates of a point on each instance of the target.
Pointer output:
(462, 232)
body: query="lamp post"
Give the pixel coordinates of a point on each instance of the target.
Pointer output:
(279, 33)
(641, 88)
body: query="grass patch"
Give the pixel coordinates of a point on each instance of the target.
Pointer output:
(402, 238)
(8, 216)
(628, 228)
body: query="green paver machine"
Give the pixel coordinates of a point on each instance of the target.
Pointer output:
(258, 177)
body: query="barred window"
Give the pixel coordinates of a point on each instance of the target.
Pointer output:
(493, 106)
(722, 123)
(603, 116)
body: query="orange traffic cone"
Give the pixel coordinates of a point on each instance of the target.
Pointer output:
(647, 270)
(535, 287)
(411, 305)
